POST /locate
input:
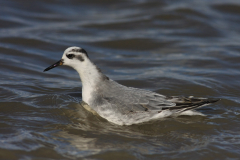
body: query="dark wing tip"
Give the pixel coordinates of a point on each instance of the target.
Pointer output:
(191, 103)
(212, 100)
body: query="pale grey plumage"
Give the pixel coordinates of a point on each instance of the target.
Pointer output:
(128, 99)
(120, 104)
(134, 105)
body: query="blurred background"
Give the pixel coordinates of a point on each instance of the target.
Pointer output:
(188, 47)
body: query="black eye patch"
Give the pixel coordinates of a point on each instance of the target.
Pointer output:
(70, 56)
(79, 57)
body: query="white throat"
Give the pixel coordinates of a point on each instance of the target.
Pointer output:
(90, 77)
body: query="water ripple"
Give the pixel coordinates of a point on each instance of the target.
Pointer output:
(171, 47)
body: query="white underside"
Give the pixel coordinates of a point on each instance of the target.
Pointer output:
(140, 117)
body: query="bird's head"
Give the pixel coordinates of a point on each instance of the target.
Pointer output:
(73, 57)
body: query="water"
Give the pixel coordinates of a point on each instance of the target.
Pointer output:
(186, 48)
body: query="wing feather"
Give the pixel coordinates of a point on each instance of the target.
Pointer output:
(126, 100)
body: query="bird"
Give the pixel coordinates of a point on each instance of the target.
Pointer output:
(120, 104)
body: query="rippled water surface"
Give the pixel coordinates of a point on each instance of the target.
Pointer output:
(189, 47)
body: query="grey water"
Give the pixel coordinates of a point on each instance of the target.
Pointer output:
(189, 47)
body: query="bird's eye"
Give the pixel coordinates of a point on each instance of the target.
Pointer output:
(70, 56)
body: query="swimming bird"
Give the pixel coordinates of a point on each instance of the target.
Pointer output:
(120, 104)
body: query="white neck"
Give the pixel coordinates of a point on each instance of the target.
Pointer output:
(90, 76)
